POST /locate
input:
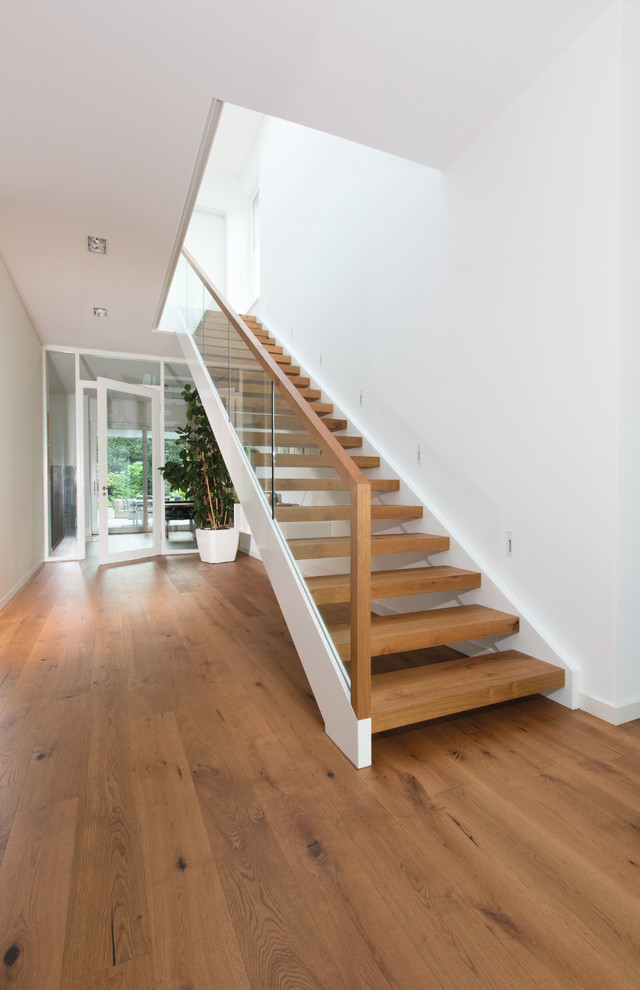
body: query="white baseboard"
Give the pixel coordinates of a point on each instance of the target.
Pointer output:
(614, 714)
(21, 583)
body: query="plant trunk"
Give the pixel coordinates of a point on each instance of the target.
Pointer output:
(206, 478)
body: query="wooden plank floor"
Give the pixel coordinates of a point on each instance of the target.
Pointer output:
(172, 815)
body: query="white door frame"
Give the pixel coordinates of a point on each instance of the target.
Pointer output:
(154, 393)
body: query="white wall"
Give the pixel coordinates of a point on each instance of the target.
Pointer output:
(478, 311)
(206, 240)
(227, 194)
(627, 675)
(21, 491)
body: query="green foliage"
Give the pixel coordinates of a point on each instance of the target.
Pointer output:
(126, 484)
(200, 472)
(124, 461)
(172, 448)
(123, 451)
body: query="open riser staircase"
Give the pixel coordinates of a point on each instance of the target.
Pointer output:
(411, 693)
(402, 666)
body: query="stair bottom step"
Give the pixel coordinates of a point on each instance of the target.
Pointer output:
(418, 694)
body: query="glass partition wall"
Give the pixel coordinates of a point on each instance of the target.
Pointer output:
(73, 503)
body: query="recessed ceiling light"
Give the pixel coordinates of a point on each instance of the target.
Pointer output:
(100, 311)
(97, 245)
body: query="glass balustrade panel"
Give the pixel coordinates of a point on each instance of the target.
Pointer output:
(312, 507)
(308, 499)
(305, 493)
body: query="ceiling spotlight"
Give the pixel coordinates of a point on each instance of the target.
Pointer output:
(100, 311)
(97, 245)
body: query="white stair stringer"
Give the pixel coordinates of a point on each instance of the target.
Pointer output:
(316, 651)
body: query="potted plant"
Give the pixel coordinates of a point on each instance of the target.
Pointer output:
(203, 477)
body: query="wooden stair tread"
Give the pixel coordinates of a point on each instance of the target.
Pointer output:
(306, 513)
(308, 548)
(263, 438)
(261, 388)
(310, 460)
(433, 627)
(417, 694)
(262, 392)
(260, 405)
(300, 381)
(319, 460)
(255, 376)
(218, 344)
(335, 588)
(326, 409)
(326, 484)
(288, 421)
(335, 425)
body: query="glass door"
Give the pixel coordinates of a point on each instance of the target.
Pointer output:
(129, 483)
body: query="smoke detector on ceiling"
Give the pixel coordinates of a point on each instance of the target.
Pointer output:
(100, 311)
(96, 245)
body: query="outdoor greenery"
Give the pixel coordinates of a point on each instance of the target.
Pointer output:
(125, 466)
(199, 472)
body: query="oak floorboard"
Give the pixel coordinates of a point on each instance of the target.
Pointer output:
(136, 974)
(486, 851)
(186, 899)
(18, 733)
(107, 921)
(436, 896)
(149, 689)
(564, 803)
(552, 892)
(21, 631)
(34, 880)
(578, 736)
(280, 941)
(631, 730)
(430, 898)
(58, 760)
(58, 662)
(337, 877)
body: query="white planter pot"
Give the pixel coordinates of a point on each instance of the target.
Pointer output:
(217, 546)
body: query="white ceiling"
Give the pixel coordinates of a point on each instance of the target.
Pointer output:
(102, 109)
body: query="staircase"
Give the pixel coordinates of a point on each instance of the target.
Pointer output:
(418, 687)
(339, 546)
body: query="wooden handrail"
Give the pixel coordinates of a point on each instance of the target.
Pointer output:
(360, 499)
(334, 452)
